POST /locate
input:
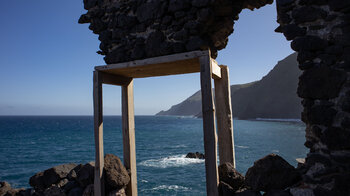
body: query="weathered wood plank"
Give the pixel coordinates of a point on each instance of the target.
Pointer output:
(98, 130)
(209, 132)
(128, 127)
(216, 70)
(114, 79)
(224, 117)
(181, 63)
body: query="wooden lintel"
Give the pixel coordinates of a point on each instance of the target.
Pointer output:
(216, 70)
(181, 63)
(115, 79)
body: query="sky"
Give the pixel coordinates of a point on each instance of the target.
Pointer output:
(47, 59)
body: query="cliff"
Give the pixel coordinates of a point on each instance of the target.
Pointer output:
(274, 96)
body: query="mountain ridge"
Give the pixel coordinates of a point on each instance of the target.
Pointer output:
(274, 96)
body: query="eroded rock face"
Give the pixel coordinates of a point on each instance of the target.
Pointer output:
(229, 175)
(116, 175)
(137, 29)
(271, 172)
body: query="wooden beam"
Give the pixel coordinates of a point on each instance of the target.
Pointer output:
(129, 136)
(98, 130)
(114, 79)
(224, 117)
(181, 63)
(209, 132)
(216, 70)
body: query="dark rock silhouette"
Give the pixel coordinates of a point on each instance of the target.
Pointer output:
(271, 172)
(195, 155)
(229, 175)
(73, 180)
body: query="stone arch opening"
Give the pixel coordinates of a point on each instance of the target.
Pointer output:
(319, 31)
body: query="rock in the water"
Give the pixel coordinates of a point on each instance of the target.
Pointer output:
(271, 172)
(85, 175)
(225, 189)
(231, 176)
(54, 191)
(89, 190)
(196, 155)
(116, 176)
(120, 192)
(4, 187)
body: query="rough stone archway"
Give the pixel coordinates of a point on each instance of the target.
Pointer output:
(320, 33)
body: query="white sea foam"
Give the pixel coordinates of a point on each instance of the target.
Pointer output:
(172, 161)
(170, 188)
(241, 146)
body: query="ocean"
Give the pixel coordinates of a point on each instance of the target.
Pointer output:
(29, 144)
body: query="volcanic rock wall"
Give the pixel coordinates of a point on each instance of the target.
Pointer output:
(138, 29)
(320, 33)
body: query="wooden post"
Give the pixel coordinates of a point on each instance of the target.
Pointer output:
(129, 136)
(224, 117)
(98, 130)
(209, 132)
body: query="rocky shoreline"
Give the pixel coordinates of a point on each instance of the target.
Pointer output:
(73, 180)
(271, 175)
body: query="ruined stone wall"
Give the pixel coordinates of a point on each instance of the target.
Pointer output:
(320, 33)
(138, 29)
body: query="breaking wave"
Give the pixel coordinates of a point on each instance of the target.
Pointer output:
(172, 161)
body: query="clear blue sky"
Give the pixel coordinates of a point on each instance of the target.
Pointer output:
(47, 59)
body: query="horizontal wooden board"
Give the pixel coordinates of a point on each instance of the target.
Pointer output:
(181, 63)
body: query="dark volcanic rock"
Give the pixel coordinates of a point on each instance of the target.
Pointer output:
(86, 175)
(116, 175)
(157, 21)
(89, 190)
(231, 176)
(225, 189)
(248, 193)
(271, 172)
(54, 191)
(320, 83)
(196, 155)
(50, 176)
(37, 181)
(4, 187)
(277, 193)
(78, 191)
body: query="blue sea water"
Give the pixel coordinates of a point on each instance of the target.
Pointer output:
(34, 143)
